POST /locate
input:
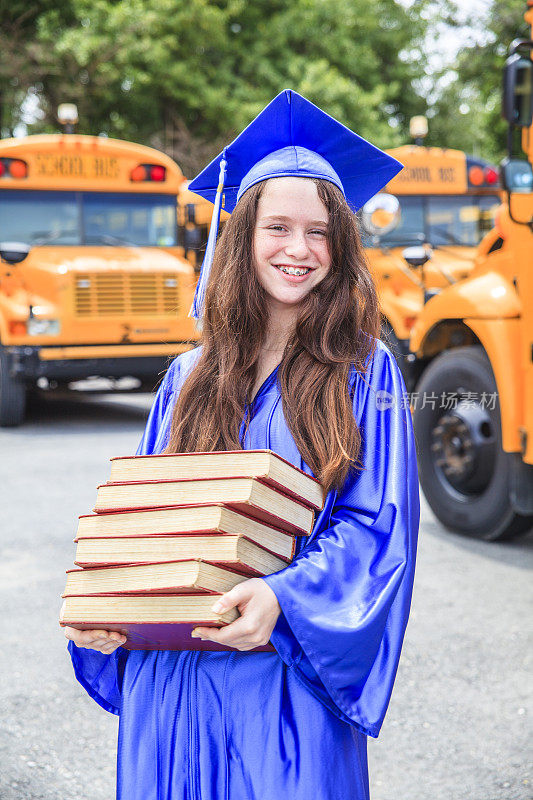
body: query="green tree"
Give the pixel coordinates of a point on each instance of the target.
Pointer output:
(467, 115)
(187, 75)
(22, 60)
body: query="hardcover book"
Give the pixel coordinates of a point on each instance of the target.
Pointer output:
(190, 576)
(205, 519)
(264, 464)
(231, 552)
(154, 622)
(249, 495)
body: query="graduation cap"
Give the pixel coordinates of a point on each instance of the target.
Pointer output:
(290, 137)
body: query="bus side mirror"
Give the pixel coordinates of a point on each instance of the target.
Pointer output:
(381, 214)
(518, 90)
(14, 252)
(416, 256)
(516, 175)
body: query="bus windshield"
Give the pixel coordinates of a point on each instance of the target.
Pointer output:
(440, 220)
(88, 218)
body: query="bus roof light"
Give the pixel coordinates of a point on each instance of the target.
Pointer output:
(157, 173)
(138, 173)
(18, 168)
(476, 176)
(491, 175)
(148, 172)
(13, 168)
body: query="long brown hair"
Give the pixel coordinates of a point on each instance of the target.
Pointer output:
(337, 324)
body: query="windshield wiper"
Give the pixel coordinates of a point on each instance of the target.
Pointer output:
(404, 241)
(107, 238)
(449, 236)
(44, 238)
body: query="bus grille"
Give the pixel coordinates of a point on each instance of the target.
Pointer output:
(108, 294)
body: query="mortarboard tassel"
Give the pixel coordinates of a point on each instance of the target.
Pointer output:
(197, 307)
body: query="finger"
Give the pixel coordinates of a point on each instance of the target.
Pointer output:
(239, 594)
(94, 638)
(239, 632)
(204, 633)
(110, 647)
(84, 636)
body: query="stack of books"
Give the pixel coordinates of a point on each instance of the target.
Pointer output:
(172, 532)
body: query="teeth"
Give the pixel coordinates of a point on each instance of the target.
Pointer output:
(295, 270)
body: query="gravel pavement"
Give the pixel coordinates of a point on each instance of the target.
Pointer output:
(459, 723)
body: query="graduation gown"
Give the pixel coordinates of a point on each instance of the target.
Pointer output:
(199, 725)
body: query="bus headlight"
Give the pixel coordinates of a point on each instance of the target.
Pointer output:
(43, 327)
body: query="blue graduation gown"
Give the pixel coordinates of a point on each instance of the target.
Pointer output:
(197, 725)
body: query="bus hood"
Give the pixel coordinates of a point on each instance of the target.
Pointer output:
(63, 260)
(456, 261)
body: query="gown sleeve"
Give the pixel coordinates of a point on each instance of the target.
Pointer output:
(345, 597)
(101, 674)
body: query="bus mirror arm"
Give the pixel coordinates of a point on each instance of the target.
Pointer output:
(529, 222)
(519, 44)
(445, 274)
(410, 273)
(518, 111)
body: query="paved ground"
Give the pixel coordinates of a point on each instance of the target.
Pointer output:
(458, 728)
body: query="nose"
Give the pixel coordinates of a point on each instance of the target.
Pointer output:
(297, 247)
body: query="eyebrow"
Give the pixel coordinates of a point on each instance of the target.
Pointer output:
(281, 218)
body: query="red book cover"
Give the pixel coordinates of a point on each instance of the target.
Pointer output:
(233, 566)
(162, 635)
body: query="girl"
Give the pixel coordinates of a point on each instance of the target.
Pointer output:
(290, 361)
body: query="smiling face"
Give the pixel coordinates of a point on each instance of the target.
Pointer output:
(290, 241)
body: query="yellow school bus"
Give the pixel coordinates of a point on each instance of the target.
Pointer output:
(473, 405)
(448, 201)
(91, 278)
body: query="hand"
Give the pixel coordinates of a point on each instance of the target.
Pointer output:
(259, 610)
(103, 641)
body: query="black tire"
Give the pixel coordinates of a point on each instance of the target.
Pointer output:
(12, 395)
(464, 472)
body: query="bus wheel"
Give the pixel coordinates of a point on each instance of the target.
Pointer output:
(463, 470)
(12, 395)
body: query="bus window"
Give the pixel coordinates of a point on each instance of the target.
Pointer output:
(142, 220)
(39, 217)
(440, 220)
(53, 218)
(488, 205)
(459, 220)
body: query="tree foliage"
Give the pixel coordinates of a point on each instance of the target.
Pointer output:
(187, 75)
(467, 115)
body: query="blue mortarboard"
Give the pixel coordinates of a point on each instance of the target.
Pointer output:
(290, 137)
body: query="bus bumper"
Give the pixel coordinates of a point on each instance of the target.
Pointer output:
(28, 363)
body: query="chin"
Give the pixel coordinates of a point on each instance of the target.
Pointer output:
(290, 299)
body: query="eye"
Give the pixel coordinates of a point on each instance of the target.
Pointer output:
(319, 232)
(276, 228)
